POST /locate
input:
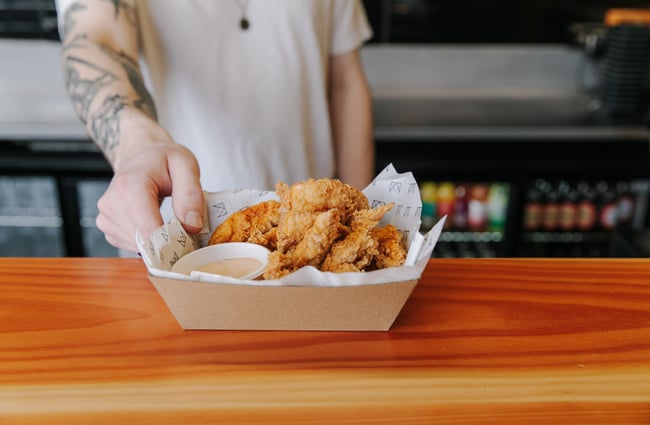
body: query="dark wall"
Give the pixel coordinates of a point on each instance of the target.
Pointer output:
(403, 21)
(485, 21)
(28, 19)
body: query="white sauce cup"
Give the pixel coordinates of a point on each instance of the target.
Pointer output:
(222, 253)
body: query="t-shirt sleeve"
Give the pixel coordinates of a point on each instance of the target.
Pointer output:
(350, 26)
(61, 8)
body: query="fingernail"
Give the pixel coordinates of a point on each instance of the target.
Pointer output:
(194, 219)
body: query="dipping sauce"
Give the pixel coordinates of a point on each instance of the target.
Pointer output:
(233, 267)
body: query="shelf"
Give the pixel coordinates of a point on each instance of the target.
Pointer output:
(566, 237)
(468, 236)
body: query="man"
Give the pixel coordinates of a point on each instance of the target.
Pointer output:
(185, 96)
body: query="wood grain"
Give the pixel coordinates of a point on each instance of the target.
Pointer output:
(479, 341)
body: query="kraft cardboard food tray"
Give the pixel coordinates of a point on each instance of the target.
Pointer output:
(198, 305)
(307, 299)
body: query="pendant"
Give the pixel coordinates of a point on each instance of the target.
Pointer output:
(244, 24)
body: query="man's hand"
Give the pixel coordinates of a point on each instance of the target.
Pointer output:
(142, 179)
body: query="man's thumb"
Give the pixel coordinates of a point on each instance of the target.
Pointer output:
(188, 202)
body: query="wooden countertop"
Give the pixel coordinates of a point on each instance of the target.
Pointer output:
(479, 341)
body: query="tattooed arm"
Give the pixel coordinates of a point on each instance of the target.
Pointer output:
(105, 84)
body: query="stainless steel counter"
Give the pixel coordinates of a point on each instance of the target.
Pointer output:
(489, 92)
(33, 101)
(440, 91)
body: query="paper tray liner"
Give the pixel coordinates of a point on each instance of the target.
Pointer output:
(197, 305)
(354, 303)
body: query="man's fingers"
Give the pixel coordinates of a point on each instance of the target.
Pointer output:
(187, 196)
(145, 212)
(122, 211)
(115, 234)
(132, 201)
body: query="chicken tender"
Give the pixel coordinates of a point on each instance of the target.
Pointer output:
(292, 227)
(391, 251)
(256, 224)
(321, 195)
(357, 250)
(311, 250)
(323, 223)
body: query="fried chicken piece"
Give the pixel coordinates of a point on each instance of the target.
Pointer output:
(358, 249)
(318, 240)
(321, 195)
(313, 214)
(391, 251)
(267, 239)
(256, 224)
(292, 227)
(310, 250)
(323, 223)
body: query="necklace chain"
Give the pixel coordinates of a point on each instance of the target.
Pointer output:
(244, 23)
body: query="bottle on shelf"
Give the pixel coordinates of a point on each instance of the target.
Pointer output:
(607, 213)
(477, 214)
(607, 209)
(626, 204)
(533, 214)
(545, 238)
(568, 209)
(428, 195)
(551, 213)
(586, 212)
(497, 206)
(568, 215)
(445, 202)
(460, 210)
(533, 209)
(587, 219)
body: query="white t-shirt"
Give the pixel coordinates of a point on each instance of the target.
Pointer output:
(251, 104)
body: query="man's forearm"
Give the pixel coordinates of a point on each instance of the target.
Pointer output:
(353, 138)
(103, 79)
(351, 117)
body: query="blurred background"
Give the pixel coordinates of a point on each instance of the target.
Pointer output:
(526, 124)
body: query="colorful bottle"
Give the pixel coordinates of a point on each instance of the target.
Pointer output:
(533, 209)
(626, 204)
(607, 206)
(461, 206)
(445, 202)
(568, 212)
(497, 206)
(477, 213)
(551, 211)
(586, 213)
(428, 194)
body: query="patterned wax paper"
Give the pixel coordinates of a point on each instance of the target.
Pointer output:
(170, 242)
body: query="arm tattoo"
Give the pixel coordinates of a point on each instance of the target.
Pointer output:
(119, 6)
(126, 8)
(84, 80)
(77, 41)
(68, 19)
(105, 122)
(83, 91)
(144, 102)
